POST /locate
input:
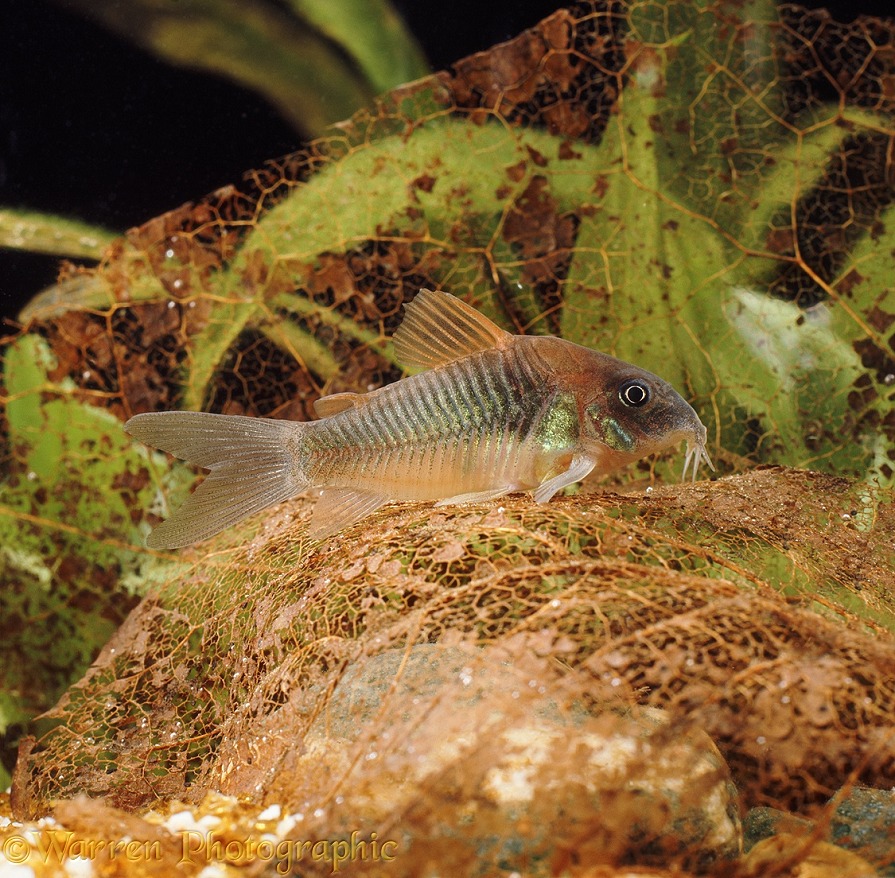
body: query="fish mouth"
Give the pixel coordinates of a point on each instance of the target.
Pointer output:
(696, 454)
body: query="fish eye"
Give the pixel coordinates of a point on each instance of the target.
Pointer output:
(634, 393)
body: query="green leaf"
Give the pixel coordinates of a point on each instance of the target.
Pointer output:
(58, 236)
(373, 33)
(71, 556)
(801, 372)
(314, 67)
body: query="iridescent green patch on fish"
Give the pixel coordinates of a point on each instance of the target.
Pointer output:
(559, 423)
(612, 432)
(491, 414)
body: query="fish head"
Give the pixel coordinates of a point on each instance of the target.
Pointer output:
(628, 413)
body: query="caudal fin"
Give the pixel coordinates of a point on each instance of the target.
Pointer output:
(252, 465)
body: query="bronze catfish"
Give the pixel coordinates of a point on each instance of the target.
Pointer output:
(493, 413)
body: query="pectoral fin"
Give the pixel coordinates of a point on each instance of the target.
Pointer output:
(338, 508)
(580, 466)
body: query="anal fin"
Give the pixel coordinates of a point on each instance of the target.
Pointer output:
(338, 508)
(476, 496)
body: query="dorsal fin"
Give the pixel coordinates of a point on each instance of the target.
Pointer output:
(439, 328)
(337, 402)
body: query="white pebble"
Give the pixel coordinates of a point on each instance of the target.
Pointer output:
(78, 867)
(181, 821)
(286, 825)
(274, 812)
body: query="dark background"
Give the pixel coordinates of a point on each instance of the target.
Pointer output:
(96, 128)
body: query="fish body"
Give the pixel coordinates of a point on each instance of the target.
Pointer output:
(493, 413)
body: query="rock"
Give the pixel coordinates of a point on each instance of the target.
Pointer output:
(761, 823)
(416, 676)
(864, 822)
(473, 753)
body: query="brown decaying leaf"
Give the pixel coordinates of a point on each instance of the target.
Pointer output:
(605, 608)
